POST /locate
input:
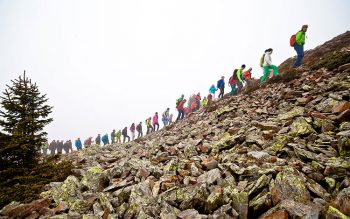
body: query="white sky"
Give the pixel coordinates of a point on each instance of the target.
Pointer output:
(106, 64)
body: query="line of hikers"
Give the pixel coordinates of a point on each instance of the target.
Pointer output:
(236, 82)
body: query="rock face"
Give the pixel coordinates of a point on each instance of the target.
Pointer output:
(281, 151)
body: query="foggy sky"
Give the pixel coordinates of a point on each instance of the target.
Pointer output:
(106, 64)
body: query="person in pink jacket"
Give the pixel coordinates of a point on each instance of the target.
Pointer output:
(155, 122)
(132, 130)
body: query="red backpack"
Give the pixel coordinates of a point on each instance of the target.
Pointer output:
(292, 40)
(232, 80)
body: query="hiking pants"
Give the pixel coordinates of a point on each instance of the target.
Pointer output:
(221, 95)
(44, 151)
(154, 126)
(181, 114)
(267, 72)
(140, 134)
(239, 86)
(113, 140)
(119, 140)
(132, 135)
(124, 137)
(300, 54)
(149, 128)
(233, 89)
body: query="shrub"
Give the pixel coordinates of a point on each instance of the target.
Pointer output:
(285, 77)
(25, 184)
(332, 61)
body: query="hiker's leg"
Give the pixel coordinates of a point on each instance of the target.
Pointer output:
(300, 54)
(275, 70)
(266, 73)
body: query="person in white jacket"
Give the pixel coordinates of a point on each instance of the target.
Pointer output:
(268, 65)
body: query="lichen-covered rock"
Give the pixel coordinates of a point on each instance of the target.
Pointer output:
(335, 213)
(278, 143)
(301, 127)
(289, 184)
(95, 179)
(214, 200)
(261, 202)
(240, 203)
(209, 177)
(295, 112)
(327, 105)
(343, 201)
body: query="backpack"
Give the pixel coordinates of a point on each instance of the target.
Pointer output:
(178, 101)
(232, 81)
(292, 40)
(124, 131)
(235, 74)
(261, 63)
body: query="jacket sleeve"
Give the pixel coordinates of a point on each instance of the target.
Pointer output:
(239, 75)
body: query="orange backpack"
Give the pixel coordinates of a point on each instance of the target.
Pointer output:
(292, 40)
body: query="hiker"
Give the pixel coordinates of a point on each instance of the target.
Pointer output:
(45, 146)
(193, 106)
(165, 117)
(210, 98)
(239, 79)
(181, 110)
(268, 65)
(221, 87)
(198, 100)
(52, 147)
(139, 130)
(299, 45)
(118, 136)
(212, 90)
(247, 75)
(66, 146)
(59, 146)
(178, 101)
(155, 122)
(232, 83)
(204, 102)
(125, 134)
(88, 142)
(78, 144)
(105, 139)
(132, 130)
(98, 139)
(149, 125)
(113, 135)
(170, 119)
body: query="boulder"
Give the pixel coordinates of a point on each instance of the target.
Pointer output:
(210, 177)
(301, 127)
(289, 184)
(95, 179)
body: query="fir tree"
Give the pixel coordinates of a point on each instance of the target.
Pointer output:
(23, 116)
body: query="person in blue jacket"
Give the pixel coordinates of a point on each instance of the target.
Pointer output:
(221, 87)
(105, 139)
(212, 90)
(78, 144)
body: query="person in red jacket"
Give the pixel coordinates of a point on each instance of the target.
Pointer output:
(181, 110)
(155, 122)
(132, 130)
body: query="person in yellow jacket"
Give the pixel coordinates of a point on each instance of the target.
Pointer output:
(204, 102)
(299, 45)
(118, 136)
(239, 77)
(149, 125)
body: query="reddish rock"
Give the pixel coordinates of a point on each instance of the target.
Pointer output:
(210, 163)
(26, 210)
(173, 150)
(281, 214)
(142, 173)
(341, 107)
(344, 116)
(318, 115)
(203, 148)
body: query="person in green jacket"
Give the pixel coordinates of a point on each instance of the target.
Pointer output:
(113, 135)
(299, 45)
(45, 146)
(239, 79)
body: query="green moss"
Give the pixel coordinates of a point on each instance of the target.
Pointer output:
(332, 60)
(335, 213)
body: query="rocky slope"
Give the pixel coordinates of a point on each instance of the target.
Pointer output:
(281, 151)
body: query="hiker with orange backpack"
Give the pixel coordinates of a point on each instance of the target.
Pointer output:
(181, 110)
(247, 75)
(267, 65)
(297, 41)
(232, 83)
